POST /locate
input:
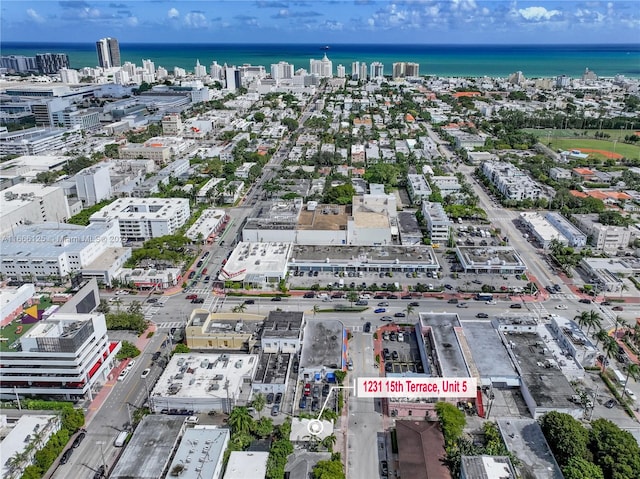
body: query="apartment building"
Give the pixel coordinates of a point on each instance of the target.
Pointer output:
(607, 238)
(438, 223)
(418, 189)
(575, 237)
(512, 182)
(140, 219)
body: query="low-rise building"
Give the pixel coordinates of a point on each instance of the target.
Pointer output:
(410, 231)
(222, 331)
(140, 219)
(602, 237)
(32, 203)
(324, 349)
(203, 382)
(543, 231)
(13, 300)
(208, 225)
(40, 252)
(257, 263)
(438, 223)
(151, 447)
(493, 259)
(244, 464)
(511, 182)
(446, 184)
(421, 450)
(573, 340)
(151, 278)
(23, 439)
(608, 273)
(485, 467)
(37, 140)
(575, 237)
(208, 443)
(418, 189)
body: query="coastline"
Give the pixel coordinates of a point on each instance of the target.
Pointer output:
(435, 60)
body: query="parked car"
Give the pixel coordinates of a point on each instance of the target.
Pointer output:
(386, 318)
(386, 354)
(392, 296)
(278, 398)
(453, 301)
(399, 315)
(152, 300)
(78, 439)
(383, 303)
(406, 296)
(585, 301)
(325, 389)
(610, 403)
(276, 298)
(394, 355)
(275, 410)
(65, 456)
(516, 306)
(388, 367)
(303, 402)
(249, 301)
(197, 301)
(415, 304)
(123, 374)
(307, 389)
(270, 397)
(191, 296)
(617, 308)
(309, 295)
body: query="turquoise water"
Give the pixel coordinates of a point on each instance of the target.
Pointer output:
(442, 60)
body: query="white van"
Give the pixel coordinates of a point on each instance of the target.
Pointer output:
(121, 439)
(192, 420)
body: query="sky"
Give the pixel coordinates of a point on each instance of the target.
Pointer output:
(323, 21)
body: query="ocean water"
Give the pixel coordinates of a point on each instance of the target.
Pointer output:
(442, 60)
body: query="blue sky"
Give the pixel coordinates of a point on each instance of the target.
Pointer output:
(324, 22)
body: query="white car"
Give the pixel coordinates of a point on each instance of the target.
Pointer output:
(145, 373)
(491, 302)
(561, 306)
(132, 362)
(123, 374)
(630, 393)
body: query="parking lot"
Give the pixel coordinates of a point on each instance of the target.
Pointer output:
(400, 351)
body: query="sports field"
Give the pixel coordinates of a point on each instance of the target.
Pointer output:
(612, 147)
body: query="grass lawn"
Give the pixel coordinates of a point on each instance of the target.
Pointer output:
(9, 332)
(624, 149)
(573, 133)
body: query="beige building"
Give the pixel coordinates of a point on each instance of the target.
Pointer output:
(172, 124)
(160, 154)
(222, 331)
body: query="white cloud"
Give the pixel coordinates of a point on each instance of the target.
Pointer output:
(173, 13)
(537, 14)
(88, 12)
(132, 21)
(196, 20)
(35, 16)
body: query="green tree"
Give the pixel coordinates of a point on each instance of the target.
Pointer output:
(181, 349)
(614, 450)
(341, 194)
(452, 421)
(258, 403)
(383, 173)
(633, 372)
(328, 470)
(352, 297)
(263, 427)
(240, 420)
(590, 319)
(239, 308)
(579, 468)
(258, 116)
(566, 437)
(609, 347)
(409, 310)
(128, 350)
(103, 307)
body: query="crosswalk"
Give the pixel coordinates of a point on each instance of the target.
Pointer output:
(540, 309)
(170, 324)
(198, 291)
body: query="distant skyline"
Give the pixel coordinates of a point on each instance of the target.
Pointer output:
(323, 22)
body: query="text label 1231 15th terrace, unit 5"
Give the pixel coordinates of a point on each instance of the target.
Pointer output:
(416, 387)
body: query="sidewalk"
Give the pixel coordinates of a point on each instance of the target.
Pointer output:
(105, 390)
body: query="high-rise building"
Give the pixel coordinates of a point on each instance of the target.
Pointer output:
(149, 67)
(355, 70)
(200, 71)
(376, 70)
(51, 63)
(233, 78)
(19, 63)
(179, 72)
(130, 68)
(413, 69)
(363, 72)
(322, 68)
(108, 52)
(69, 76)
(341, 71)
(161, 73)
(215, 71)
(281, 70)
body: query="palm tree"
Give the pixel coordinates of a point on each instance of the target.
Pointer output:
(409, 310)
(601, 335)
(352, 297)
(258, 403)
(610, 347)
(240, 308)
(620, 323)
(329, 441)
(240, 420)
(316, 310)
(633, 372)
(589, 318)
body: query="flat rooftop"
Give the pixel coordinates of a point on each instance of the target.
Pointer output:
(200, 451)
(283, 324)
(540, 370)
(366, 254)
(325, 217)
(246, 464)
(150, 448)
(324, 340)
(488, 351)
(492, 256)
(257, 259)
(106, 260)
(523, 437)
(196, 375)
(443, 330)
(142, 208)
(272, 368)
